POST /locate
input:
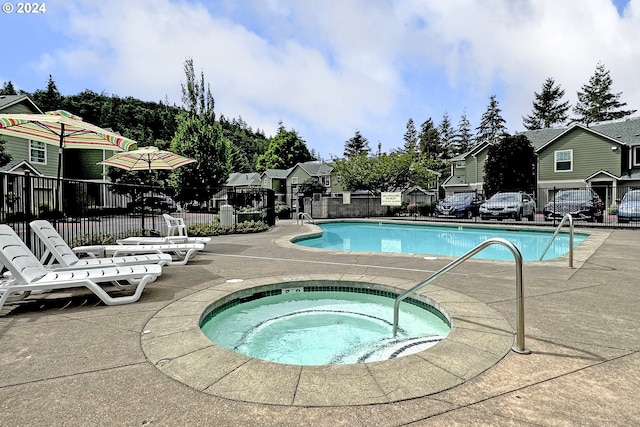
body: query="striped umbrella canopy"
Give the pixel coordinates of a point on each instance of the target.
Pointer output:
(63, 129)
(146, 158)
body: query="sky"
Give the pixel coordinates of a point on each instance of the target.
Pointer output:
(329, 68)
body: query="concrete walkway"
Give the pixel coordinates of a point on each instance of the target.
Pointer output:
(66, 359)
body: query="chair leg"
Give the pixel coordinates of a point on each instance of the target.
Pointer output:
(109, 300)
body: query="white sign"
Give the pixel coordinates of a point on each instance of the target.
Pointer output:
(391, 199)
(346, 198)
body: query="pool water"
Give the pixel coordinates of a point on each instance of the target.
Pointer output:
(437, 240)
(322, 328)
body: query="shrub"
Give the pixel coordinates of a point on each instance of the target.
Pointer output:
(283, 211)
(425, 208)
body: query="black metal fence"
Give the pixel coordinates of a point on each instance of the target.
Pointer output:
(602, 206)
(101, 210)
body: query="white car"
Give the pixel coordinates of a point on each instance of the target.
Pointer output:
(509, 205)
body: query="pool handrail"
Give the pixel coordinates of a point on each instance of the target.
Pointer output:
(564, 218)
(302, 216)
(519, 346)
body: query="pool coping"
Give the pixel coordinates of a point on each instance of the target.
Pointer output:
(581, 252)
(172, 341)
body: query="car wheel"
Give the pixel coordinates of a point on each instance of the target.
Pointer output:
(531, 217)
(600, 218)
(469, 215)
(518, 216)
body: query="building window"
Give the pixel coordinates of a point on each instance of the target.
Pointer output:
(563, 161)
(460, 165)
(37, 152)
(265, 182)
(636, 156)
(326, 181)
(294, 180)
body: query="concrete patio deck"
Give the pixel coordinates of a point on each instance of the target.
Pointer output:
(66, 359)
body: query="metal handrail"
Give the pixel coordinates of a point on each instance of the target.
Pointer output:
(564, 218)
(302, 216)
(519, 346)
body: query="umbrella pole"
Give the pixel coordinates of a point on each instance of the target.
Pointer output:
(57, 195)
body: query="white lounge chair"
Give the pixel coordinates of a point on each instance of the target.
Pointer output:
(59, 254)
(28, 274)
(181, 252)
(157, 240)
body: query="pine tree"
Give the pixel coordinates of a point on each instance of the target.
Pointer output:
(492, 125)
(50, 99)
(462, 138)
(429, 139)
(8, 89)
(547, 108)
(446, 132)
(356, 145)
(596, 102)
(410, 138)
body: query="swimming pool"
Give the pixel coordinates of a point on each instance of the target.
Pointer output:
(441, 240)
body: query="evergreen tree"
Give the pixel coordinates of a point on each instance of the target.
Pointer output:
(446, 132)
(547, 107)
(8, 89)
(463, 137)
(410, 138)
(510, 165)
(356, 145)
(596, 102)
(429, 140)
(492, 125)
(50, 99)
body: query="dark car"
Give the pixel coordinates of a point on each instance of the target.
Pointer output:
(582, 203)
(163, 204)
(460, 205)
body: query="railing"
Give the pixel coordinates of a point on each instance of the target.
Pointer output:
(564, 219)
(519, 346)
(301, 216)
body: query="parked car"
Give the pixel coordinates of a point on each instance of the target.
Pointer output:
(163, 204)
(582, 203)
(629, 207)
(509, 205)
(459, 205)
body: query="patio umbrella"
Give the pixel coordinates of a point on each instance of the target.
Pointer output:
(64, 130)
(146, 158)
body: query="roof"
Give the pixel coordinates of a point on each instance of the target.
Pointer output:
(7, 101)
(316, 168)
(14, 165)
(277, 173)
(623, 131)
(239, 179)
(454, 180)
